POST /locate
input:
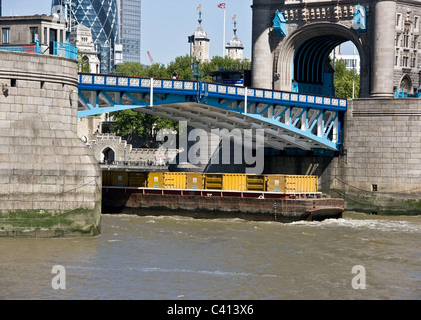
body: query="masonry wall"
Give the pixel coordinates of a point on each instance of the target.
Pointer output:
(50, 183)
(380, 170)
(382, 161)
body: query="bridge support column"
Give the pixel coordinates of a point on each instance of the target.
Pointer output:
(50, 183)
(383, 49)
(262, 59)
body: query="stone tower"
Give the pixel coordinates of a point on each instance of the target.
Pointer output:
(50, 181)
(385, 32)
(199, 42)
(235, 48)
(81, 37)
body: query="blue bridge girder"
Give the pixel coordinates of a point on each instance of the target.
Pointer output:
(289, 120)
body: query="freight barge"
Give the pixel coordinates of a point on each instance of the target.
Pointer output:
(283, 198)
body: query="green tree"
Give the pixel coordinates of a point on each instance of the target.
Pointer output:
(126, 122)
(182, 66)
(226, 63)
(344, 80)
(83, 64)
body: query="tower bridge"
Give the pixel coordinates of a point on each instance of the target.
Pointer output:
(289, 120)
(292, 40)
(51, 183)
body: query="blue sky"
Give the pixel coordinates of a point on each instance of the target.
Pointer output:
(166, 24)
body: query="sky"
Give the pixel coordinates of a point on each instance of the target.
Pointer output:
(166, 24)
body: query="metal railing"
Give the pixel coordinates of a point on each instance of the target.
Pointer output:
(65, 50)
(59, 49)
(216, 89)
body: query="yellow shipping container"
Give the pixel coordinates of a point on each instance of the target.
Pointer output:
(175, 180)
(195, 180)
(307, 184)
(119, 178)
(156, 180)
(255, 182)
(234, 181)
(275, 183)
(291, 183)
(213, 181)
(137, 179)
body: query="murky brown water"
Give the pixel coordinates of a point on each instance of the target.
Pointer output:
(184, 258)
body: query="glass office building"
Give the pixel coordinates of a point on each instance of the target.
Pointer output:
(99, 15)
(130, 26)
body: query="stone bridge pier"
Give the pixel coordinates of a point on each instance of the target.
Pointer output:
(50, 183)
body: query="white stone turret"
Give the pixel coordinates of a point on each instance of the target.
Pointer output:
(199, 43)
(235, 48)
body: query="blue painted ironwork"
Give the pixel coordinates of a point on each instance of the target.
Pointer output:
(360, 19)
(300, 120)
(60, 49)
(280, 24)
(65, 50)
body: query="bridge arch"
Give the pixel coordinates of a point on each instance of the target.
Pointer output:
(302, 56)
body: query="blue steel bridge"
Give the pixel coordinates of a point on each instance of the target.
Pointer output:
(289, 120)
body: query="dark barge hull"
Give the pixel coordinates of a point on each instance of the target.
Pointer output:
(220, 204)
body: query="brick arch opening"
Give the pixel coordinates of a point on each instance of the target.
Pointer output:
(302, 59)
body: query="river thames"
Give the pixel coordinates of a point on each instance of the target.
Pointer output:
(179, 258)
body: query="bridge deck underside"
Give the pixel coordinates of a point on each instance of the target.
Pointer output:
(285, 125)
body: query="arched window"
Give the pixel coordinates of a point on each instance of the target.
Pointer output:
(406, 84)
(108, 155)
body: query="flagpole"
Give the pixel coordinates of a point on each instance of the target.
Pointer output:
(223, 38)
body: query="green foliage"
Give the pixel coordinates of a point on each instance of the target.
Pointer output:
(217, 63)
(182, 66)
(128, 122)
(344, 81)
(82, 64)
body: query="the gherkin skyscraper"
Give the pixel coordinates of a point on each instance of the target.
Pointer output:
(99, 15)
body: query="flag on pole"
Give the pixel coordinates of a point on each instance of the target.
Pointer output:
(199, 7)
(222, 6)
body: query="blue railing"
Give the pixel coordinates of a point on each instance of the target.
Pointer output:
(65, 50)
(60, 49)
(114, 82)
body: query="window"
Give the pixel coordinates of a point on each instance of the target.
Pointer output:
(45, 36)
(397, 40)
(416, 23)
(398, 20)
(6, 35)
(406, 38)
(34, 34)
